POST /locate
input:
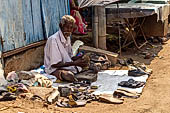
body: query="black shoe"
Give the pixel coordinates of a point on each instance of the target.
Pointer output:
(136, 72)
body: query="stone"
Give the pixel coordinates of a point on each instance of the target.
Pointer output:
(25, 75)
(40, 91)
(161, 57)
(155, 55)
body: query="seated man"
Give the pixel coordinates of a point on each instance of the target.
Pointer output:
(58, 58)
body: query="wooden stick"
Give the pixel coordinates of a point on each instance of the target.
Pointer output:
(18, 50)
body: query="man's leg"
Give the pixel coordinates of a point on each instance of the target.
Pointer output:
(64, 75)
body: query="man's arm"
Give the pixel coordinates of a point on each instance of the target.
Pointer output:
(79, 62)
(61, 64)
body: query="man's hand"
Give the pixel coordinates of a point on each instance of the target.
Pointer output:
(76, 57)
(81, 62)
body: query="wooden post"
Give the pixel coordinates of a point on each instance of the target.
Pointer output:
(1, 51)
(102, 27)
(95, 22)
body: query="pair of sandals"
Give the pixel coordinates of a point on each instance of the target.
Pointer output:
(7, 96)
(131, 84)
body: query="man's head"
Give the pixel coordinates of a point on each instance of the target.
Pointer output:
(67, 25)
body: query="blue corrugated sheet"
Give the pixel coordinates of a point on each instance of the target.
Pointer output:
(23, 22)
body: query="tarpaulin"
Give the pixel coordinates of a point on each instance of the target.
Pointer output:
(131, 10)
(148, 1)
(88, 3)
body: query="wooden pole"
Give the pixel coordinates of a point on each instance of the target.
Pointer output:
(95, 22)
(102, 27)
(1, 51)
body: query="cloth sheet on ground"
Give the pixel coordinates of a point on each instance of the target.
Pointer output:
(108, 81)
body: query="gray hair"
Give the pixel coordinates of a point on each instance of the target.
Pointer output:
(67, 19)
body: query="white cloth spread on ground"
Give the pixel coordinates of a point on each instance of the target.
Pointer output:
(58, 49)
(108, 80)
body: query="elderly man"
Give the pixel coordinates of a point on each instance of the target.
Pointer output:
(58, 58)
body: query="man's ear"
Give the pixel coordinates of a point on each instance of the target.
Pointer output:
(60, 25)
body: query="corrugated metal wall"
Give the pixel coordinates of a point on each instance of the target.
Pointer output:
(23, 22)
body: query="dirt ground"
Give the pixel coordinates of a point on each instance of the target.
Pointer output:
(154, 99)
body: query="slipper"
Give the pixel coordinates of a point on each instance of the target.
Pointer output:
(132, 92)
(136, 72)
(62, 104)
(82, 83)
(53, 96)
(87, 76)
(110, 99)
(76, 103)
(81, 103)
(8, 97)
(120, 93)
(35, 97)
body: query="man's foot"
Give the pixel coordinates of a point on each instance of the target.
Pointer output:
(65, 75)
(68, 76)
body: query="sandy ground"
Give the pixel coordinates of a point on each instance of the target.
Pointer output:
(155, 97)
